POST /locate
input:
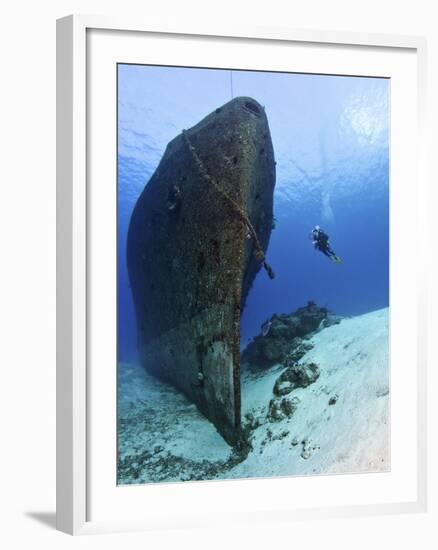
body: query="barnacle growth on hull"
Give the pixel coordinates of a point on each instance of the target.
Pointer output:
(197, 238)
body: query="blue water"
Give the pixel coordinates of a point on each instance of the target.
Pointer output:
(331, 143)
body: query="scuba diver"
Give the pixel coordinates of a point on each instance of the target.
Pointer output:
(321, 242)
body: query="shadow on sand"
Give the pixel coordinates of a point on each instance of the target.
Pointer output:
(45, 518)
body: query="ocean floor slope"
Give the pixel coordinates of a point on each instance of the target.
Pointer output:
(337, 423)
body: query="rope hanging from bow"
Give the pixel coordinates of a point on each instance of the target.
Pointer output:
(258, 250)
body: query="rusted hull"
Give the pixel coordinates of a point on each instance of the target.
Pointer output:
(195, 243)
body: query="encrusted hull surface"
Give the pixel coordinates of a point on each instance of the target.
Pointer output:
(196, 241)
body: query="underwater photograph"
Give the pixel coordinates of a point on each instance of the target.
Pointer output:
(253, 274)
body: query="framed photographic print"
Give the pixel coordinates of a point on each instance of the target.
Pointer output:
(240, 284)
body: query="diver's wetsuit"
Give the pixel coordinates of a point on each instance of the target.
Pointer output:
(321, 242)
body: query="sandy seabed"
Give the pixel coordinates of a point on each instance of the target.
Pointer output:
(340, 423)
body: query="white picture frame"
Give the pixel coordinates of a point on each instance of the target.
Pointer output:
(73, 298)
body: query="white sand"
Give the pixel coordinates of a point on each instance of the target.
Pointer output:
(160, 423)
(351, 435)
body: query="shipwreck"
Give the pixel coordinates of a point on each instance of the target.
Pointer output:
(197, 238)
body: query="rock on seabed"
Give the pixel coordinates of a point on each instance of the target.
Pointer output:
(286, 338)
